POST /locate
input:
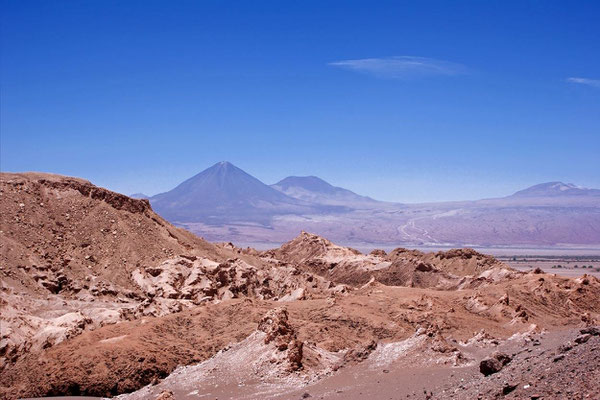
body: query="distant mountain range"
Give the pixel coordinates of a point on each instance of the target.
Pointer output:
(555, 189)
(316, 190)
(224, 194)
(227, 204)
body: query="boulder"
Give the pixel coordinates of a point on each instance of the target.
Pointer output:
(494, 363)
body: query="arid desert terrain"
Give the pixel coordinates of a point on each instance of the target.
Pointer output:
(100, 296)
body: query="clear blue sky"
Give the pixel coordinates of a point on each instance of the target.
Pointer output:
(407, 101)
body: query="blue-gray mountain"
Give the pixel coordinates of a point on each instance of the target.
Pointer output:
(225, 203)
(224, 194)
(316, 190)
(557, 189)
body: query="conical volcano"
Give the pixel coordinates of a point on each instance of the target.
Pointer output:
(225, 193)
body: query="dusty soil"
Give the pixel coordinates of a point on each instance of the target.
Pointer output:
(532, 373)
(102, 297)
(563, 364)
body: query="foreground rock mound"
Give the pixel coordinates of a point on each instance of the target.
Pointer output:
(278, 330)
(271, 357)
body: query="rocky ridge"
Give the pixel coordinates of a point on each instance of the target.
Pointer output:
(76, 257)
(401, 267)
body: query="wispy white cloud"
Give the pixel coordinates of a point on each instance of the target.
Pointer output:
(401, 67)
(585, 81)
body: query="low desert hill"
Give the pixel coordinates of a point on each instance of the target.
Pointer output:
(401, 267)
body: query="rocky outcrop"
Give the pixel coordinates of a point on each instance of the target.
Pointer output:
(278, 330)
(197, 280)
(401, 267)
(166, 395)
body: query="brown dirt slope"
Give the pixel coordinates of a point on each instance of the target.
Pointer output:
(51, 222)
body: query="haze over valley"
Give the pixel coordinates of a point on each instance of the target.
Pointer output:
(223, 203)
